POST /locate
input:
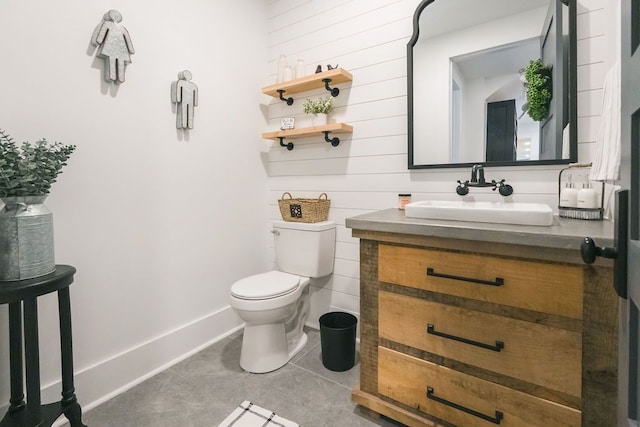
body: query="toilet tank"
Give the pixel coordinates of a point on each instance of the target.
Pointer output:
(305, 249)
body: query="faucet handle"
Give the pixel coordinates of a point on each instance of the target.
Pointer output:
(503, 189)
(462, 188)
(506, 190)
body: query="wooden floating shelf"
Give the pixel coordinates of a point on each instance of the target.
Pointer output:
(324, 79)
(310, 131)
(306, 83)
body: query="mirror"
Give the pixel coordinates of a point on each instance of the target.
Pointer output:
(467, 87)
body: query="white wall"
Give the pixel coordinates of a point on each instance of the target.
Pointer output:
(369, 168)
(158, 222)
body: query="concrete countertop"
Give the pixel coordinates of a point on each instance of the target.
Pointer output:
(563, 234)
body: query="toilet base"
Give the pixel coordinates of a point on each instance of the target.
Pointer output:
(265, 347)
(297, 344)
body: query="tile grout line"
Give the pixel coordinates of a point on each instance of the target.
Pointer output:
(321, 376)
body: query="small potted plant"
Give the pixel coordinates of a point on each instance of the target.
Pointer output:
(539, 87)
(319, 108)
(27, 172)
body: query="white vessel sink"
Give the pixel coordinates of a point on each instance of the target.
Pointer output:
(495, 212)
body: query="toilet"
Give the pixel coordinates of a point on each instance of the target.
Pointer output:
(275, 305)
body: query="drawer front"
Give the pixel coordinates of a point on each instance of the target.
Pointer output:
(538, 354)
(548, 288)
(464, 400)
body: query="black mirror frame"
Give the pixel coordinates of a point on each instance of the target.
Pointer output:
(572, 95)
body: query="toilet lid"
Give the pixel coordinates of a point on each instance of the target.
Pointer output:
(265, 285)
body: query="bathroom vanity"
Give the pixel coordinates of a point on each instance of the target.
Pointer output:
(473, 324)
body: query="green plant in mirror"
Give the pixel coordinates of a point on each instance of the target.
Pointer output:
(539, 89)
(30, 169)
(320, 105)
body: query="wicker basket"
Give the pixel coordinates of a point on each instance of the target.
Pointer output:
(304, 210)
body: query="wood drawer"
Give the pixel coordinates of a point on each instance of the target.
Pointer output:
(538, 354)
(537, 286)
(406, 379)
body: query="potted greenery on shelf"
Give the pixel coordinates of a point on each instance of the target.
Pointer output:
(539, 87)
(319, 108)
(27, 172)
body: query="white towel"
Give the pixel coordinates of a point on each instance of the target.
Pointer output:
(248, 414)
(606, 157)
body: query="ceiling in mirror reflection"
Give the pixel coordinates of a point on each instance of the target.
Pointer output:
(467, 69)
(508, 59)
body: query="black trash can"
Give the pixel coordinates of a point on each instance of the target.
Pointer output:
(338, 340)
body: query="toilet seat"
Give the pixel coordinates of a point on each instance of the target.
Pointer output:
(267, 285)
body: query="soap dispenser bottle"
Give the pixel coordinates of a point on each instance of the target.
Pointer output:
(569, 195)
(587, 197)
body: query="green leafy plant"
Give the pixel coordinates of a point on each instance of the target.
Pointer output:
(320, 105)
(539, 89)
(31, 168)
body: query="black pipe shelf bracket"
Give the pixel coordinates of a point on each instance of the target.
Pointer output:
(335, 141)
(289, 100)
(288, 145)
(334, 91)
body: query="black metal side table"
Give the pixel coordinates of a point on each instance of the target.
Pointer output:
(24, 293)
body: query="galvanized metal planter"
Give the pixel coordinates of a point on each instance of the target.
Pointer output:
(26, 238)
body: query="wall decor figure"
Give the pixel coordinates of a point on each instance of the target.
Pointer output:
(114, 44)
(185, 94)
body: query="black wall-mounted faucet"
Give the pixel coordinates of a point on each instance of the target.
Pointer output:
(477, 180)
(477, 177)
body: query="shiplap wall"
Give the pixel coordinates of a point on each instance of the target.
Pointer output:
(369, 168)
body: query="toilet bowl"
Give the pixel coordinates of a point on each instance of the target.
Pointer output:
(275, 305)
(266, 344)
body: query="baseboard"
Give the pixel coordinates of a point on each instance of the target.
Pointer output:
(104, 380)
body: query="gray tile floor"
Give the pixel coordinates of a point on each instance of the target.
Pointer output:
(203, 389)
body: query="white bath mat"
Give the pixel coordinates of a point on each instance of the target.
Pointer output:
(250, 415)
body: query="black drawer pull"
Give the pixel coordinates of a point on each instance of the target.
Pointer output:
(498, 282)
(431, 329)
(494, 420)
